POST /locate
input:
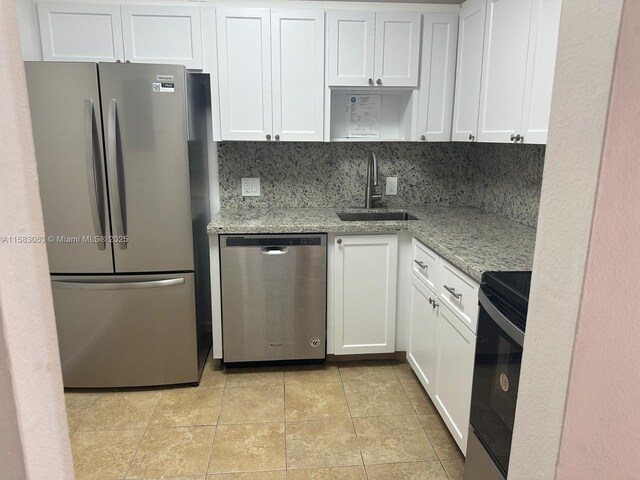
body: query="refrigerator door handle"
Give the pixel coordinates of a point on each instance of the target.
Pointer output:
(169, 282)
(115, 175)
(93, 180)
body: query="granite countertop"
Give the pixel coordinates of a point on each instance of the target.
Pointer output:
(472, 240)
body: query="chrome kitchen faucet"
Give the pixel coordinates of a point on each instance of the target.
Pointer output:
(372, 182)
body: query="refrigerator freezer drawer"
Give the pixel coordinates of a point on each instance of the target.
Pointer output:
(126, 330)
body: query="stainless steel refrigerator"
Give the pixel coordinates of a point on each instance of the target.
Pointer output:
(122, 166)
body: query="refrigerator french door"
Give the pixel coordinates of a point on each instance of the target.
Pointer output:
(115, 150)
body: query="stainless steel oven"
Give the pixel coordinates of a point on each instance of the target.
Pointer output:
(501, 324)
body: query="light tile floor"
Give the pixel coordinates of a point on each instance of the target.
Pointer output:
(341, 421)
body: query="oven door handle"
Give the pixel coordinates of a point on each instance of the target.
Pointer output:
(498, 317)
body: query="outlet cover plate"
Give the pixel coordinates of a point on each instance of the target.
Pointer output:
(392, 186)
(251, 187)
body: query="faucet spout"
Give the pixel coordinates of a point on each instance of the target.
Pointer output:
(372, 181)
(374, 165)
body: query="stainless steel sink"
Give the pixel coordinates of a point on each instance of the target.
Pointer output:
(375, 216)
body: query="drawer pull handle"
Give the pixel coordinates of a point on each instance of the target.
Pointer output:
(420, 264)
(433, 303)
(452, 291)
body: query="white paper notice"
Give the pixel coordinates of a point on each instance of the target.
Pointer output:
(363, 115)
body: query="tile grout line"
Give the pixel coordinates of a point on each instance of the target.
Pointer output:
(364, 467)
(126, 475)
(440, 460)
(284, 406)
(215, 429)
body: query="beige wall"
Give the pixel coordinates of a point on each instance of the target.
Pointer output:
(601, 436)
(582, 85)
(34, 441)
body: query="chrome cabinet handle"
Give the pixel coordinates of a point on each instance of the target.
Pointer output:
(453, 292)
(93, 178)
(277, 137)
(513, 137)
(114, 174)
(516, 138)
(268, 136)
(422, 137)
(420, 264)
(379, 82)
(371, 81)
(433, 303)
(339, 241)
(472, 137)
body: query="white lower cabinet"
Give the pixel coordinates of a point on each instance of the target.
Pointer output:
(442, 343)
(454, 356)
(364, 293)
(422, 333)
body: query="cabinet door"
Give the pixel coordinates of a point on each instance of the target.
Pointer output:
(440, 35)
(422, 333)
(455, 349)
(297, 55)
(397, 50)
(468, 71)
(244, 73)
(503, 71)
(351, 48)
(365, 293)
(75, 32)
(156, 34)
(541, 61)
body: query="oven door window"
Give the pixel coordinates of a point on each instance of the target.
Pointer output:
(495, 387)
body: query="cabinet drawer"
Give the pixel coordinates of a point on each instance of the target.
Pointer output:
(460, 293)
(424, 264)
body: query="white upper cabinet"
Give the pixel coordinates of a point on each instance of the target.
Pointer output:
(244, 71)
(365, 279)
(397, 51)
(76, 32)
(351, 48)
(271, 74)
(159, 34)
(297, 56)
(437, 76)
(374, 49)
(504, 69)
(468, 71)
(541, 59)
(504, 76)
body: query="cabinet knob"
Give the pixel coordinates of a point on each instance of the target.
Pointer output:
(472, 137)
(268, 136)
(422, 137)
(513, 137)
(516, 138)
(339, 241)
(379, 82)
(371, 81)
(277, 137)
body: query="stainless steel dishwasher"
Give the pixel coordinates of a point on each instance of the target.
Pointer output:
(274, 297)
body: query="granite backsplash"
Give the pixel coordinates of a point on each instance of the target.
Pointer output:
(501, 179)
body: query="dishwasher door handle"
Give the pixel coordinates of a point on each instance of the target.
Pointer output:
(274, 250)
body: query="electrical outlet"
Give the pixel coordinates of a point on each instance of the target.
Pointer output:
(392, 186)
(250, 187)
